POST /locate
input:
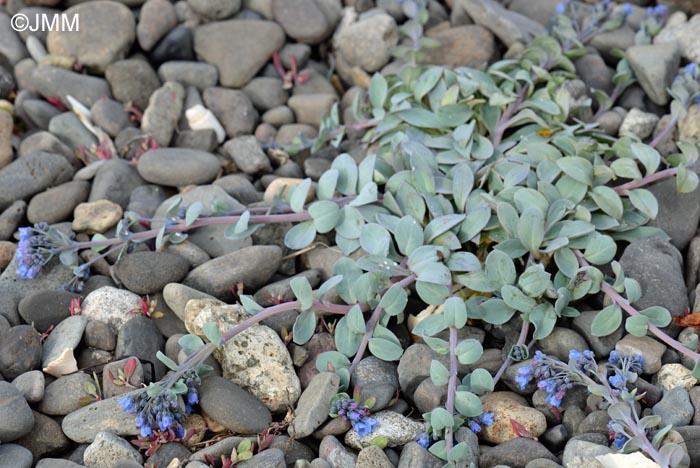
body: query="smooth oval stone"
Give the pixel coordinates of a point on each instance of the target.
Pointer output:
(233, 407)
(149, 272)
(58, 347)
(177, 167)
(64, 395)
(15, 414)
(20, 351)
(82, 425)
(46, 308)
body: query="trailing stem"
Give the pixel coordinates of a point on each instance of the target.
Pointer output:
(451, 387)
(667, 129)
(504, 121)
(521, 341)
(627, 307)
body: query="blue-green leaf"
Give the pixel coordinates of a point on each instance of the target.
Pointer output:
(607, 321)
(439, 373)
(394, 300)
(637, 325)
(304, 327)
(300, 236)
(211, 331)
(298, 195)
(325, 214)
(302, 290)
(193, 212)
(531, 229)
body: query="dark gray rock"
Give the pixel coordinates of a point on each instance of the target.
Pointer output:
(132, 80)
(655, 66)
(248, 155)
(70, 130)
(59, 82)
(20, 351)
(270, 458)
(591, 68)
(31, 384)
(232, 407)
(166, 453)
(115, 181)
(139, 337)
(657, 265)
(64, 395)
(255, 41)
(266, 92)
(197, 74)
(30, 175)
(376, 379)
(15, 456)
(177, 167)
(176, 45)
(57, 204)
(253, 266)
(679, 213)
(110, 116)
(10, 218)
(415, 455)
(45, 438)
(515, 453)
(232, 108)
(240, 188)
(99, 335)
(149, 272)
(46, 308)
(17, 418)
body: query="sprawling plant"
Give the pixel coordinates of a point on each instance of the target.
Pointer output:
(480, 194)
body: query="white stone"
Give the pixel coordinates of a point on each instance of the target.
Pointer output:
(201, 118)
(58, 347)
(111, 306)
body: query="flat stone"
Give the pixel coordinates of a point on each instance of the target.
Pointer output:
(15, 413)
(655, 66)
(313, 404)
(15, 456)
(197, 74)
(464, 46)
(132, 80)
(302, 20)
(248, 155)
(45, 438)
(57, 204)
(110, 389)
(20, 351)
(115, 180)
(177, 167)
(32, 174)
(674, 408)
(233, 108)
(82, 425)
(233, 407)
(149, 272)
(107, 31)
(59, 346)
(97, 216)
(65, 394)
(163, 112)
(255, 41)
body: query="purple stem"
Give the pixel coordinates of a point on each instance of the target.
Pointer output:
(670, 172)
(627, 307)
(521, 341)
(451, 387)
(667, 129)
(502, 124)
(369, 329)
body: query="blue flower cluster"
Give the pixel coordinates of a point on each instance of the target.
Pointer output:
(625, 370)
(550, 378)
(423, 439)
(659, 11)
(162, 412)
(486, 419)
(619, 439)
(357, 414)
(35, 249)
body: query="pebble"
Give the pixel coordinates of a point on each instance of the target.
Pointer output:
(591, 68)
(560, 341)
(336, 454)
(638, 123)
(271, 380)
(156, 19)
(57, 204)
(516, 453)
(398, 430)
(232, 406)
(58, 357)
(31, 385)
(650, 349)
(7, 253)
(111, 306)
(20, 351)
(677, 213)
(312, 408)
(107, 31)
(233, 109)
(115, 180)
(279, 187)
(580, 454)
(10, 218)
(376, 379)
(110, 116)
(176, 45)
(139, 337)
(149, 272)
(83, 424)
(15, 456)
(163, 112)
(253, 266)
(595, 422)
(429, 396)
(674, 408)
(49, 143)
(215, 9)
(463, 46)
(97, 216)
(11, 45)
(178, 167)
(600, 345)
(166, 453)
(6, 128)
(58, 82)
(671, 376)
(248, 155)
(657, 265)
(187, 73)
(367, 43)
(30, 175)
(15, 413)
(45, 438)
(132, 80)
(65, 394)
(266, 92)
(289, 132)
(255, 41)
(311, 108)
(413, 454)
(510, 27)
(58, 463)
(373, 457)
(177, 295)
(46, 308)
(107, 449)
(506, 410)
(71, 131)
(303, 20)
(679, 30)
(270, 458)
(655, 66)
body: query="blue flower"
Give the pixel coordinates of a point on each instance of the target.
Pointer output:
(616, 381)
(626, 9)
(146, 431)
(660, 10)
(365, 426)
(127, 403)
(192, 398)
(561, 8)
(614, 357)
(620, 440)
(691, 68)
(423, 440)
(524, 376)
(474, 426)
(487, 418)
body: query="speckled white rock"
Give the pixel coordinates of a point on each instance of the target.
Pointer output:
(638, 123)
(256, 359)
(58, 347)
(111, 306)
(397, 428)
(107, 449)
(671, 376)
